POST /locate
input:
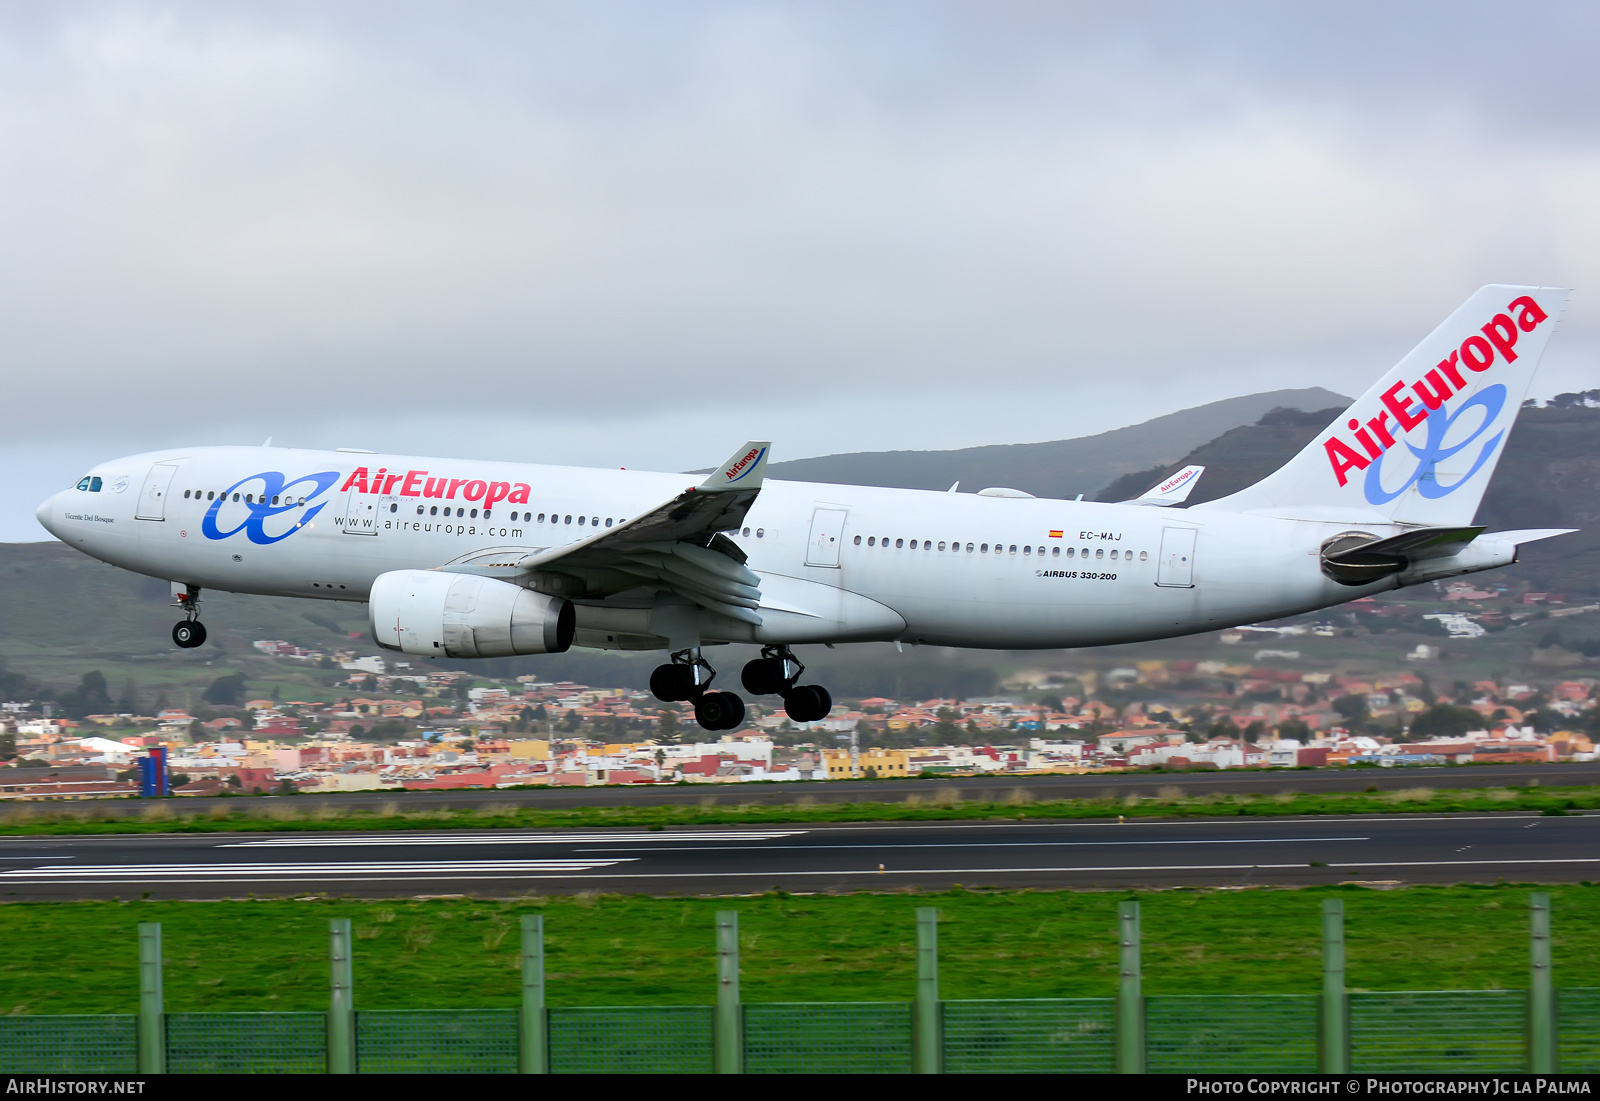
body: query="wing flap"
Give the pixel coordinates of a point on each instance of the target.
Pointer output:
(678, 546)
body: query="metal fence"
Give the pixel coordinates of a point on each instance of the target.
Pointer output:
(1226, 1034)
(1033, 1036)
(1578, 1041)
(70, 1044)
(1439, 1031)
(631, 1039)
(1496, 1031)
(827, 1038)
(246, 1043)
(436, 1041)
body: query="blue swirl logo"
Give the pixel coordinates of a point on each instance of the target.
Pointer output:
(260, 510)
(1491, 399)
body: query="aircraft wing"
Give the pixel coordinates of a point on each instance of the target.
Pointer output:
(1174, 490)
(677, 546)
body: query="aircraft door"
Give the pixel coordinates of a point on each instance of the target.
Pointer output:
(153, 497)
(827, 528)
(360, 513)
(1176, 568)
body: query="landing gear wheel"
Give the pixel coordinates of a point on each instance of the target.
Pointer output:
(762, 677)
(807, 703)
(189, 634)
(672, 683)
(719, 711)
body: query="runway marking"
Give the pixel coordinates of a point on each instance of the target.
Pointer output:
(542, 870)
(505, 839)
(1001, 844)
(362, 869)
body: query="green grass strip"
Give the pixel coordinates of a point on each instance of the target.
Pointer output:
(718, 808)
(82, 957)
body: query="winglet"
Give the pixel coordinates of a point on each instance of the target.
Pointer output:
(1173, 491)
(743, 470)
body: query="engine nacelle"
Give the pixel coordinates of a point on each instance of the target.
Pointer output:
(460, 615)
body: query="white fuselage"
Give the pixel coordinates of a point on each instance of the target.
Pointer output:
(838, 563)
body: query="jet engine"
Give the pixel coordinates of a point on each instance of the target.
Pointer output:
(460, 615)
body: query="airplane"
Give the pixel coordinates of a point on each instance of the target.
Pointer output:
(466, 559)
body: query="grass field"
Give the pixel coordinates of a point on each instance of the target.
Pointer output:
(81, 957)
(937, 804)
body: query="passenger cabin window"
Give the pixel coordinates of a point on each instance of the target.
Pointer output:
(1100, 552)
(899, 544)
(1144, 556)
(858, 539)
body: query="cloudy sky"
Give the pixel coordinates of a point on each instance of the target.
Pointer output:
(639, 234)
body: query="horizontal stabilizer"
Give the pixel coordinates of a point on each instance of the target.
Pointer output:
(1529, 535)
(1356, 558)
(1174, 490)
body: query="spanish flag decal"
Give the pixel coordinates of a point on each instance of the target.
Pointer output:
(1055, 535)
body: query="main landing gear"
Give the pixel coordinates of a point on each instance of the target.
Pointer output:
(775, 673)
(688, 676)
(189, 632)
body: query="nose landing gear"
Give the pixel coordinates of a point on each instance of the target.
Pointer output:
(775, 673)
(688, 676)
(189, 632)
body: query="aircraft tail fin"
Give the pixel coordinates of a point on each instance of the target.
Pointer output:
(745, 469)
(1173, 491)
(1420, 446)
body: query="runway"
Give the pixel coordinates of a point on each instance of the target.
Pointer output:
(803, 859)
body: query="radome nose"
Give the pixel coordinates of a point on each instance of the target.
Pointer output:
(46, 514)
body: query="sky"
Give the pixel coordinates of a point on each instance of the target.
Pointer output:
(638, 234)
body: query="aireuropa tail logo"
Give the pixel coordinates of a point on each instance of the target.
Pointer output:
(1182, 478)
(268, 508)
(1425, 476)
(745, 465)
(1475, 416)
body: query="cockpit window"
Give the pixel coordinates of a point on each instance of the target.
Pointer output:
(94, 485)
(84, 484)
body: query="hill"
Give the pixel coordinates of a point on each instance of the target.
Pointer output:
(1238, 458)
(1060, 468)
